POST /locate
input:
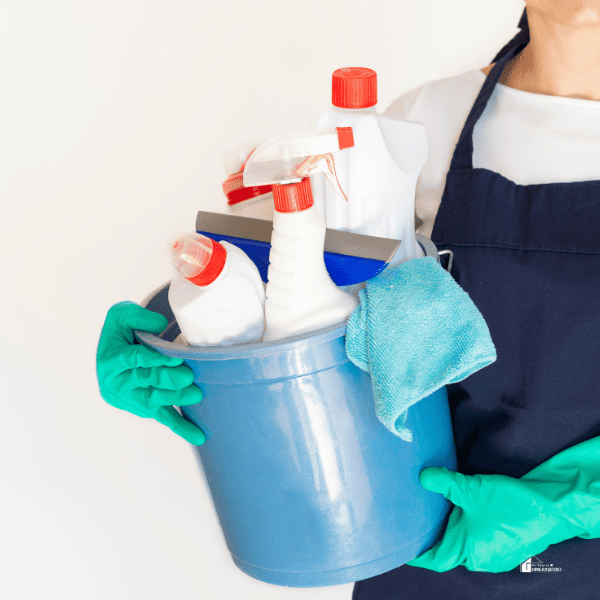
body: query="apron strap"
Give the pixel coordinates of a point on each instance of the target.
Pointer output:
(462, 159)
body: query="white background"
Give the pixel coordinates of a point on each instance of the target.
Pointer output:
(113, 119)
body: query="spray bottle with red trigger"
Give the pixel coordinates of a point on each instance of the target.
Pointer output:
(301, 296)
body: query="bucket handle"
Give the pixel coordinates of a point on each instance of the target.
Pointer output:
(449, 267)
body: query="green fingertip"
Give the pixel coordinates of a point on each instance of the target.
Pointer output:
(199, 439)
(426, 476)
(122, 303)
(187, 378)
(184, 381)
(193, 435)
(196, 392)
(115, 311)
(173, 361)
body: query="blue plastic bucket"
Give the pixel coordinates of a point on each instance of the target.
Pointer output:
(310, 488)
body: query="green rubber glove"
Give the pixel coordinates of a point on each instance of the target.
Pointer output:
(498, 522)
(140, 380)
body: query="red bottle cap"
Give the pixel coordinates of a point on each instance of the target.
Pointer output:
(293, 197)
(233, 188)
(214, 267)
(354, 87)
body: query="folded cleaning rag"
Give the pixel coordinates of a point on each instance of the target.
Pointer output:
(415, 331)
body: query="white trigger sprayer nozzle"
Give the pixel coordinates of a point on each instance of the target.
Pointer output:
(288, 160)
(322, 163)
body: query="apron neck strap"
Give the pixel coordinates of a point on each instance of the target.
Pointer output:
(462, 158)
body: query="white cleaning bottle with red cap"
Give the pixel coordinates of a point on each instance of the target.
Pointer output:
(301, 296)
(217, 296)
(380, 173)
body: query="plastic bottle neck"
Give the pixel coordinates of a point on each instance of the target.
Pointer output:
(370, 109)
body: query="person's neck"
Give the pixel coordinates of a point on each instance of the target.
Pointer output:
(561, 59)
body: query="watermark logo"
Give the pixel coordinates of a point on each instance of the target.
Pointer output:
(535, 565)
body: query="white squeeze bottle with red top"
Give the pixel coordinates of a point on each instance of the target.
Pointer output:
(301, 296)
(380, 173)
(217, 296)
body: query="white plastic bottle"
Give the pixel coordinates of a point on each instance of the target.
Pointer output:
(380, 173)
(301, 296)
(217, 296)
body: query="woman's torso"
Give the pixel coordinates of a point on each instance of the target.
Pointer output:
(520, 208)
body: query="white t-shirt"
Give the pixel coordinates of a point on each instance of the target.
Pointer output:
(528, 138)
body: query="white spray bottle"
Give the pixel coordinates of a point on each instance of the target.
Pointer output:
(301, 296)
(380, 173)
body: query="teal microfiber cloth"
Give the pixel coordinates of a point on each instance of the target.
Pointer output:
(415, 331)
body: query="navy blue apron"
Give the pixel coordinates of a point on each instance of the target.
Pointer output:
(529, 257)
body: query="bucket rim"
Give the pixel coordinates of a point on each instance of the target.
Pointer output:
(241, 351)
